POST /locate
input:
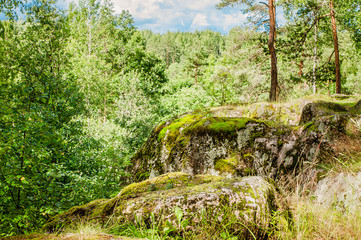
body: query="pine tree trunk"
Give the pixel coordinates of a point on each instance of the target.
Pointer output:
(272, 50)
(335, 44)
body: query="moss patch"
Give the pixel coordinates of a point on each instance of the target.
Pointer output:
(176, 179)
(218, 125)
(173, 129)
(226, 165)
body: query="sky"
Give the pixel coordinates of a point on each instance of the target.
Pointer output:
(178, 15)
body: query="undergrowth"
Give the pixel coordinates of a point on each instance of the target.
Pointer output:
(230, 228)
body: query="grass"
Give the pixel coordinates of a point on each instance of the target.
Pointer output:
(230, 228)
(84, 230)
(315, 221)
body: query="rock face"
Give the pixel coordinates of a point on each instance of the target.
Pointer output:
(201, 143)
(214, 164)
(342, 191)
(196, 144)
(335, 114)
(357, 107)
(249, 202)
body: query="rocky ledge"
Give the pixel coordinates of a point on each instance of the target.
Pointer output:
(175, 199)
(209, 142)
(220, 165)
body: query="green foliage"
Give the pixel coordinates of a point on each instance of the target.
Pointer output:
(81, 90)
(78, 97)
(38, 134)
(182, 228)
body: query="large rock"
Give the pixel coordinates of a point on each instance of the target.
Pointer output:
(314, 111)
(250, 203)
(357, 107)
(198, 144)
(287, 113)
(342, 191)
(204, 143)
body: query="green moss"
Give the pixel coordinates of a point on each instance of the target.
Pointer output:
(104, 208)
(346, 104)
(218, 125)
(199, 179)
(161, 182)
(226, 165)
(160, 126)
(222, 126)
(173, 129)
(248, 171)
(310, 126)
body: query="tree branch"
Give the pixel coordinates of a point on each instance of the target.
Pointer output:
(264, 3)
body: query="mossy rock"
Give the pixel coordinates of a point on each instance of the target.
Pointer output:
(312, 111)
(249, 202)
(356, 108)
(201, 144)
(341, 96)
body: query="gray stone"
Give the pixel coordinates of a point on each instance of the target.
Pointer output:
(250, 201)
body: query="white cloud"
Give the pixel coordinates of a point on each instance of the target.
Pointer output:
(179, 15)
(198, 4)
(199, 21)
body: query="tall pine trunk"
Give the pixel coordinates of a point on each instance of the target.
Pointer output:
(272, 50)
(335, 45)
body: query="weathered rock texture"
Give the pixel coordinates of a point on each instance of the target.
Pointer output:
(249, 203)
(202, 143)
(335, 114)
(357, 107)
(197, 163)
(342, 191)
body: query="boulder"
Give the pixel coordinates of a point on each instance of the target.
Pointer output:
(336, 113)
(341, 96)
(201, 144)
(248, 204)
(285, 113)
(357, 107)
(342, 191)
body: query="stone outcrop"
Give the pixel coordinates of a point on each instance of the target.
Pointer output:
(220, 164)
(204, 143)
(357, 107)
(332, 114)
(342, 191)
(250, 203)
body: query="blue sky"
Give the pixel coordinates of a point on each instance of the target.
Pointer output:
(178, 15)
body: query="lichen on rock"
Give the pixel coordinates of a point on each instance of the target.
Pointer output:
(249, 202)
(199, 143)
(342, 191)
(215, 163)
(314, 111)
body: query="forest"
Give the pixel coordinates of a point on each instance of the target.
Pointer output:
(81, 89)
